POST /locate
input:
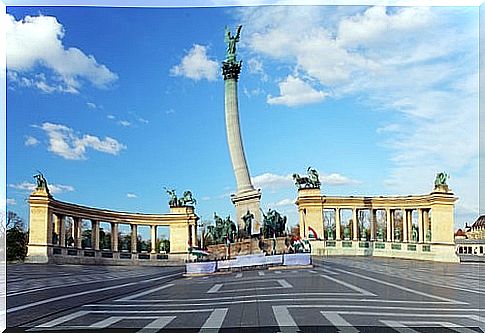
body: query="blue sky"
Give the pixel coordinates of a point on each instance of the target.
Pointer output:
(113, 104)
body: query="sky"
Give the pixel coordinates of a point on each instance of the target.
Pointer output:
(114, 104)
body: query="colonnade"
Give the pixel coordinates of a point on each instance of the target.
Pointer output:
(48, 235)
(423, 224)
(59, 234)
(431, 214)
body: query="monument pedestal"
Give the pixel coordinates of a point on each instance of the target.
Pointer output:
(244, 201)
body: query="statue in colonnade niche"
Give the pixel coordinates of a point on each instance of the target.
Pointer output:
(380, 234)
(41, 182)
(428, 235)
(415, 234)
(330, 233)
(363, 233)
(346, 233)
(397, 234)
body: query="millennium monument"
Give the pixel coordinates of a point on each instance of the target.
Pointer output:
(247, 198)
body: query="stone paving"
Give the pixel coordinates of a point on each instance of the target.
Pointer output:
(339, 294)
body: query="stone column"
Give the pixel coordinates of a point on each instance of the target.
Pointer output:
(355, 227)
(95, 234)
(373, 219)
(114, 236)
(425, 225)
(303, 218)
(233, 131)
(153, 234)
(405, 224)
(246, 197)
(57, 228)
(420, 226)
(389, 231)
(194, 236)
(62, 231)
(134, 235)
(77, 232)
(338, 235)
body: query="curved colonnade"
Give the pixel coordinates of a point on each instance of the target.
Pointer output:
(49, 241)
(413, 226)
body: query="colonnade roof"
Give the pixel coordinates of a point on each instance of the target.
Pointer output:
(376, 202)
(105, 215)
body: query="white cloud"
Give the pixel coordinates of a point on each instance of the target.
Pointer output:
(111, 117)
(295, 92)
(124, 123)
(31, 141)
(142, 120)
(285, 202)
(256, 67)
(337, 179)
(37, 41)
(419, 65)
(368, 27)
(196, 65)
(63, 141)
(91, 105)
(272, 181)
(53, 188)
(11, 202)
(131, 195)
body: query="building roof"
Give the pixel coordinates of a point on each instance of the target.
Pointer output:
(480, 222)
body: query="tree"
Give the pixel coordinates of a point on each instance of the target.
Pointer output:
(17, 237)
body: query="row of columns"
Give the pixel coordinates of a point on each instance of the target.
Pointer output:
(423, 224)
(59, 228)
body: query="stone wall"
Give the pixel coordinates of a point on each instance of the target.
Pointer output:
(247, 246)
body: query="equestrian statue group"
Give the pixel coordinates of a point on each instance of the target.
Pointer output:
(310, 181)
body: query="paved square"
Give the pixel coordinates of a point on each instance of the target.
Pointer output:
(338, 294)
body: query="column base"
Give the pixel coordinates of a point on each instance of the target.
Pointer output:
(244, 201)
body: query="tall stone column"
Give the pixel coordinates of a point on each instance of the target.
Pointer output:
(405, 224)
(420, 226)
(134, 235)
(389, 231)
(77, 232)
(153, 234)
(246, 198)
(114, 236)
(355, 227)
(95, 234)
(337, 224)
(426, 224)
(62, 231)
(373, 223)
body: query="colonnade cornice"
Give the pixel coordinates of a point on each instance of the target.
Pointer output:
(104, 215)
(381, 202)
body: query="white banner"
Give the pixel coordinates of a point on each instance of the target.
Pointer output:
(200, 267)
(297, 259)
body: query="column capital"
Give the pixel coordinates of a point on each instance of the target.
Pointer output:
(231, 70)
